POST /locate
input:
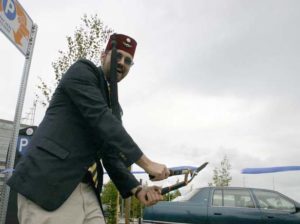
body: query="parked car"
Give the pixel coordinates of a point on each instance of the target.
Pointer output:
(226, 205)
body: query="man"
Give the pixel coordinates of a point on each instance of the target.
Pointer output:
(79, 128)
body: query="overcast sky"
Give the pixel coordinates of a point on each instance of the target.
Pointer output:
(211, 78)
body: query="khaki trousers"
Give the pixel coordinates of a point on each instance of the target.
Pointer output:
(82, 207)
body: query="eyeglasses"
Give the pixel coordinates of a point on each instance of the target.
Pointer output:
(127, 60)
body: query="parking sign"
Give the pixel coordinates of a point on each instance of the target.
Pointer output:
(15, 24)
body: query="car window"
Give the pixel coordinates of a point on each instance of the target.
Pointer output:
(233, 198)
(217, 198)
(273, 200)
(237, 198)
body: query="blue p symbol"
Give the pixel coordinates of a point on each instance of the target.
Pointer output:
(23, 143)
(9, 9)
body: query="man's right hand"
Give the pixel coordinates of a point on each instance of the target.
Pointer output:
(157, 170)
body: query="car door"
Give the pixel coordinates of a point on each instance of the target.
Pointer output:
(276, 208)
(233, 206)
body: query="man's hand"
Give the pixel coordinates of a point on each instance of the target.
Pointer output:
(159, 171)
(149, 195)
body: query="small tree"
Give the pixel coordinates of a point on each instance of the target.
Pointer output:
(136, 208)
(87, 42)
(172, 195)
(222, 175)
(109, 198)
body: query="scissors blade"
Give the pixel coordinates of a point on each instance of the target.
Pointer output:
(198, 170)
(201, 167)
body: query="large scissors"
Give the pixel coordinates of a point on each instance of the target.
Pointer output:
(187, 172)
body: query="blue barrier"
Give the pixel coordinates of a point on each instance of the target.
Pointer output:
(270, 169)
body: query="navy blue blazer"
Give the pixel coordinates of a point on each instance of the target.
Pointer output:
(77, 127)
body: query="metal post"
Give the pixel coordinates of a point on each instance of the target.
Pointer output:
(18, 113)
(127, 207)
(141, 207)
(127, 210)
(117, 207)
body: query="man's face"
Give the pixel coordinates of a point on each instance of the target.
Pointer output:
(124, 62)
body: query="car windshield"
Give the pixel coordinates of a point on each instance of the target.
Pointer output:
(187, 196)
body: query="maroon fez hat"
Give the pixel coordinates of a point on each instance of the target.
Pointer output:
(124, 43)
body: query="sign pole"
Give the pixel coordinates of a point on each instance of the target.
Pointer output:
(18, 113)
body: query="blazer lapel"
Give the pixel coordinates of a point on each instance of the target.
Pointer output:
(104, 86)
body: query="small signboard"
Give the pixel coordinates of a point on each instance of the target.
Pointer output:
(15, 24)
